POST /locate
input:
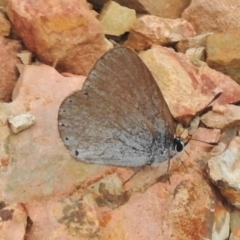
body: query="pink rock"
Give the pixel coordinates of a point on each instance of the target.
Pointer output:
(165, 211)
(206, 135)
(213, 16)
(64, 31)
(188, 88)
(43, 167)
(149, 30)
(13, 222)
(8, 71)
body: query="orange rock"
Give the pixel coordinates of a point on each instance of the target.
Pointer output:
(66, 31)
(8, 71)
(5, 26)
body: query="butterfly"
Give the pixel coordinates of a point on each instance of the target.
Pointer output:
(119, 117)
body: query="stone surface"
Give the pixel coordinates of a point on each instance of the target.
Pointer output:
(149, 30)
(66, 31)
(213, 16)
(38, 158)
(5, 26)
(8, 67)
(221, 223)
(196, 54)
(116, 19)
(223, 52)
(222, 119)
(25, 57)
(21, 122)
(192, 42)
(224, 171)
(235, 220)
(13, 222)
(165, 8)
(235, 234)
(206, 135)
(187, 88)
(165, 209)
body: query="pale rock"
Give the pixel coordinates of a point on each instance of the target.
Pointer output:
(194, 124)
(193, 42)
(187, 88)
(196, 54)
(163, 8)
(116, 19)
(66, 31)
(21, 122)
(213, 16)
(13, 222)
(8, 70)
(223, 52)
(221, 229)
(5, 26)
(26, 57)
(224, 171)
(235, 220)
(149, 30)
(220, 118)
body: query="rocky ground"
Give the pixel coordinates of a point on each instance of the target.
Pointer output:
(47, 50)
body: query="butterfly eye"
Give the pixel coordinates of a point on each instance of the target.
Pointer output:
(178, 144)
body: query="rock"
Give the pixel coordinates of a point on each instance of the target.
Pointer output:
(225, 174)
(235, 234)
(21, 122)
(206, 135)
(220, 230)
(5, 26)
(198, 41)
(223, 53)
(67, 32)
(40, 158)
(25, 57)
(164, 8)
(149, 30)
(8, 70)
(13, 222)
(235, 220)
(116, 19)
(213, 16)
(166, 212)
(217, 118)
(187, 88)
(196, 54)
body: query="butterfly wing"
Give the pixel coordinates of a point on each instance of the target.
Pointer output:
(119, 117)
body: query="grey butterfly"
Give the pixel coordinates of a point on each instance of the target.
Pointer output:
(119, 117)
